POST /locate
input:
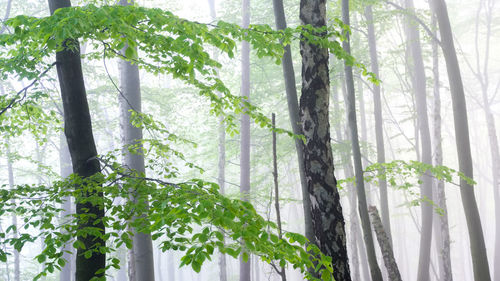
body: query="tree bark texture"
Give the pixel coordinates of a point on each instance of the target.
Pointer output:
(130, 100)
(379, 130)
(293, 112)
(419, 89)
(10, 171)
(245, 267)
(326, 211)
(358, 166)
(78, 131)
(476, 238)
(442, 231)
(385, 245)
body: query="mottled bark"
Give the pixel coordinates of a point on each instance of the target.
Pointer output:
(420, 92)
(356, 151)
(476, 239)
(245, 267)
(326, 211)
(293, 113)
(441, 230)
(130, 100)
(379, 130)
(385, 245)
(78, 131)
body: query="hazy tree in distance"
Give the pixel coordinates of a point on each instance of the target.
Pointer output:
(245, 267)
(356, 151)
(420, 92)
(326, 211)
(78, 131)
(65, 170)
(476, 238)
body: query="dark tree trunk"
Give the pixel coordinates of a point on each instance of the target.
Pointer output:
(379, 130)
(478, 249)
(78, 130)
(245, 267)
(326, 211)
(385, 245)
(293, 111)
(358, 166)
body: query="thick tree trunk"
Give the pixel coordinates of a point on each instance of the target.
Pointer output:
(130, 100)
(65, 170)
(78, 130)
(293, 112)
(476, 239)
(385, 245)
(245, 267)
(358, 166)
(441, 231)
(379, 131)
(419, 88)
(326, 211)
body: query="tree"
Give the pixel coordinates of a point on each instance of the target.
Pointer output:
(356, 151)
(419, 89)
(142, 264)
(80, 139)
(476, 239)
(245, 266)
(326, 211)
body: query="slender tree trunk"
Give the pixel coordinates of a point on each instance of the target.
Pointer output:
(65, 170)
(379, 131)
(130, 100)
(171, 266)
(385, 245)
(476, 239)
(419, 88)
(78, 130)
(358, 166)
(293, 111)
(326, 211)
(245, 267)
(282, 273)
(17, 272)
(442, 232)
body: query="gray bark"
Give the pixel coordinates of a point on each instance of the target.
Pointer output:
(358, 166)
(419, 89)
(326, 211)
(385, 245)
(441, 230)
(130, 99)
(171, 266)
(81, 144)
(476, 239)
(293, 112)
(65, 170)
(379, 131)
(245, 267)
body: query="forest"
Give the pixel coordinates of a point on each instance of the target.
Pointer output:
(249, 140)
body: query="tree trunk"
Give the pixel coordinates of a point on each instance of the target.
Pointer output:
(358, 166)
(65, 170)
(78, 130)
(385, 245)
(293, 112)
(476, 239)
(419, 88)
(245, 267)
(379, 130)
(442, 231)
(17, 273)
(326, 211)
(130, 100)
